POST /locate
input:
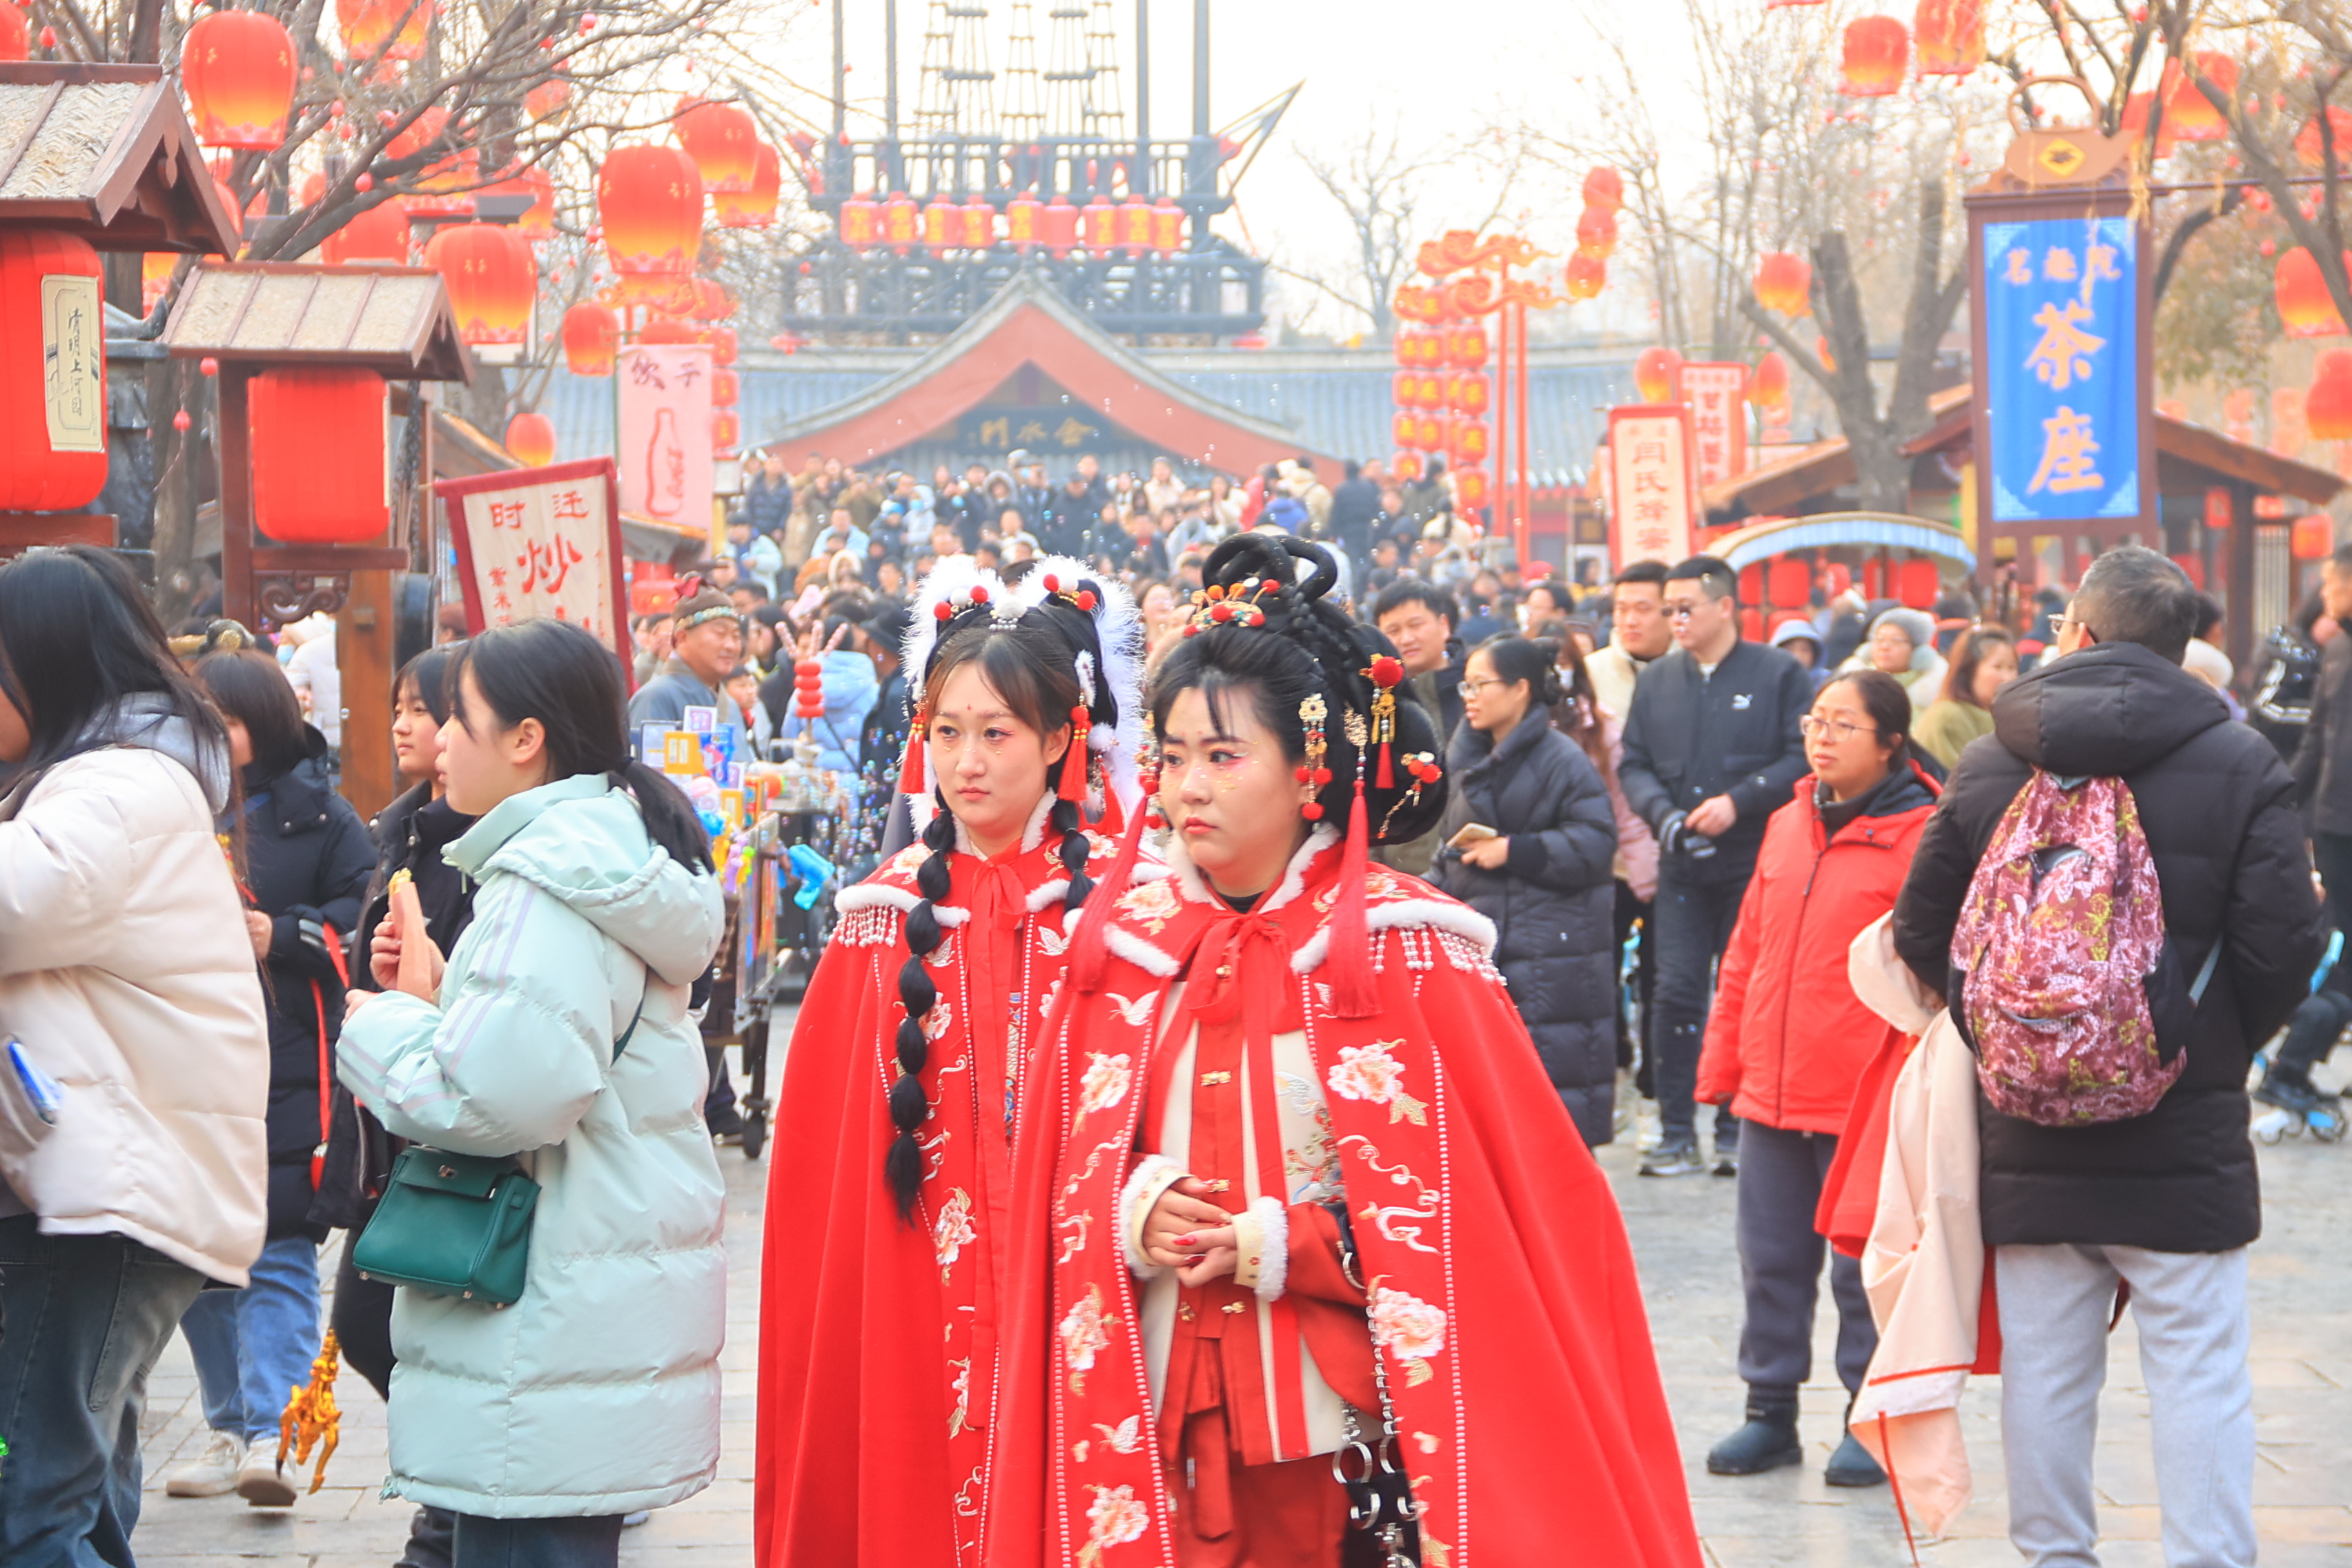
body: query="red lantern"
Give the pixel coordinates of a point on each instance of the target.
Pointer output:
(668, 330)
(2339, 135)
(861, 223)
(1950, 35)
(1405, 467)
(2135, 123)
(1021, 221)
(238, 70)
(1876, 49)
(726, 430)
(1596, 233)
(2314, 538)
(900, 222)
(1167, 226)
(591, 336)
(943, 226)
(2187, 110)
(1654, 373)
(1101, 218)
(1471, 440)
(1586, 276)
(1467, 393)
(1058, 224)
(1604, 189)
(722, 140)
(530, 439)
(754, 208)
(1769, 387)
(156, 270)
(1429, 432)
(1784, 282)
(318, 455)
(441, 185)
(546, 100)
(1470, 487)
(722, 345)
(710, 300)
(15, 35)
(1134, 226)
(978, 224)
(379, 234)
(1405, 428)
(649, 201)
(52, 374)
(1465, 348)
(1402, 388)
(2304, 307)
(492, 280)
(726, 389)
(2327, 406)
(367, 28)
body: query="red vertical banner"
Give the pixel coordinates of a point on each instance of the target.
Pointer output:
(1716, 395)
(1652, 510)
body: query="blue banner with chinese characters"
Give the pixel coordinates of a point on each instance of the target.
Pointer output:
(2061, 383)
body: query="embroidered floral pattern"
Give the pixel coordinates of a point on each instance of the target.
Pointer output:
(952, 1231)
(1084, 1330)
(1150, 903)
(938, 1020)
(961, 1416)
(1313, 1165)
(1409, 1329)
(1114, 1518)
(1052, 994)
(1370, 1073)
(1106, 1083)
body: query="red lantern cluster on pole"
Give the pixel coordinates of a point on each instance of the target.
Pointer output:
(808, 689)
(726, 389)
(1585, 276)
(2327, 406)
(1784, 282)
(1058, 226)
(530, 439)
(1654, 373)
(590, 339)
(978, 224)
(53, 378)
(238, 70)
(2306, 308)
(318, 455)
(1596, 233)
(723, 141)
(492, 280)
(861, 222)
(1949, 37)
(1878, 48)
(901, 221)
(649, 201)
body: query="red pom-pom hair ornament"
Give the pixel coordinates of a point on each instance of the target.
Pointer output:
(1385, 672)
(943, 611)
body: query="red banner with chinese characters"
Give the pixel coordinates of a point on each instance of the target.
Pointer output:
(1716, 395)
(542, 542)
(1652, 507)
(664, 433)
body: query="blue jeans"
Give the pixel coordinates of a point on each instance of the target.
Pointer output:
(537, 1542)
(83, 1319)
(254, 1347)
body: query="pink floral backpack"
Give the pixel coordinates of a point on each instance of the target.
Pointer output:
(2067, 969)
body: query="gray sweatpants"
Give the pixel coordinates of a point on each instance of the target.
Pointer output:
(2190, 1309)
(1780, 1175)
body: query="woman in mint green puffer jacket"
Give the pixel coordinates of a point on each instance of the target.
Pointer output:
(596, 1393)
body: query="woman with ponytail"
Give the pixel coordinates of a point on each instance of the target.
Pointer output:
(557, 1031)
(1299, 1198)
(903, 1102)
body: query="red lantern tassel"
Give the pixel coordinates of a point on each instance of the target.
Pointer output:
(1384, 776)
(1090, 952)
(911, 776)
(1074, 760)
(1349, 961)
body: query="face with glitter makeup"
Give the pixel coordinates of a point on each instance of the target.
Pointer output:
(987, 762)
(1228, 791)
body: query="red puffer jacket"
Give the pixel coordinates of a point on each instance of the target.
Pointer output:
(1787, 1038)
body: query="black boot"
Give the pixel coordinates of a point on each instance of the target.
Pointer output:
(1852, 1465)
(1767, 1442)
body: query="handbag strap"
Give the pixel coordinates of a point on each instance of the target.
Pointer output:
(623, 1042)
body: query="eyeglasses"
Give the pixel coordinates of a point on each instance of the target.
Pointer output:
(2059, 623)
(1838, 730)
(1469, 689)
(1682, 609)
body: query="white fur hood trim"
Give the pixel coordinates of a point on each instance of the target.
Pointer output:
(882, 895)
(1442, 913)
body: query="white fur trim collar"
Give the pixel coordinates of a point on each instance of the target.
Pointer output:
(882, 895)
(1442, 913)
(1294, 876)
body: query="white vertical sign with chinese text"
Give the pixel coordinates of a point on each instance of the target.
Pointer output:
(1716, 396)
(663, 446)
(1652, 507)
(540, 542)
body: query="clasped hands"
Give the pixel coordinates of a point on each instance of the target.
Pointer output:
(1191, 1235)
(384, 963)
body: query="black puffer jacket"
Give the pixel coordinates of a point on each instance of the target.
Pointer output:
(1692, 736)
(2217, 808)
(307, 857)
(1551, 903)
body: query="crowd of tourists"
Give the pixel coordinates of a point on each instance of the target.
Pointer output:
(1183, 1154)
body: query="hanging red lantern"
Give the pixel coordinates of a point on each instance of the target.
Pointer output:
(368, 26)
(900, 222)
(15, 35)
(530, 439)
(1769, 387)
(726, 431)
(1876, 49)
(2313, 539)
(442, 186)
(649, 201)
(1471, 440)
(492, 280)
(2187, 110)
(1101, 224)
(1436, 391)
(2327, 406)
(756, 207)
(1470, 487)
(590, 337)
(978, 224)
(1784, 282)
(1021, 221)
(1405, 428)
(943, 226)
(2304, 307)
(722, 345)
(2307, 147)
(668, 330)
(546, 100)
(1465, 348)
(1134, 226)
(1058, 226)
(1586, 276)
(238, 70)
(1604, 189)
(726, 389)
(1405, 467)
(1654, 373)
(156, 270)
(1467, 393)
(318, 455)
(1949, 36)
(722, 139)
(861, 222)
(1429, 432)
(52, 374)
(1167, 226)
(2133, 125)
(1596, 233)
(379, 234)
(1402, 388)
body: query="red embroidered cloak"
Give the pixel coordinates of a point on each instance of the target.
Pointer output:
(1502, 1289)
(878, 1337)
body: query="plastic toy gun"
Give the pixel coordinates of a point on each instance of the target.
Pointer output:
(814, 869)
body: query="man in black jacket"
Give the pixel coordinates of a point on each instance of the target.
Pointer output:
(1418, 618)
(2167, 1202)
(1712, 749)
(1354, 505)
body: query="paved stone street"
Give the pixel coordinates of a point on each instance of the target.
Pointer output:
(1682, 1231)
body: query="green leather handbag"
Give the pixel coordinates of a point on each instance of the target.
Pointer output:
(456, 1225)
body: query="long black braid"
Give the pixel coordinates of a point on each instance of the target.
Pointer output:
(903, 1165)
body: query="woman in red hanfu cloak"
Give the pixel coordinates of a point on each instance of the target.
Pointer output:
(899, 1116)
(1307, 1197)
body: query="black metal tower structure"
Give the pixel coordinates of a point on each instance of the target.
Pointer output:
(1022, 138)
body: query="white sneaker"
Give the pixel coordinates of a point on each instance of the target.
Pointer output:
(212, 1472)
(260, 1482)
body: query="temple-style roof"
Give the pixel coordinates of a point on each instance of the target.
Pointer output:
(105, 152)
(395, 319)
